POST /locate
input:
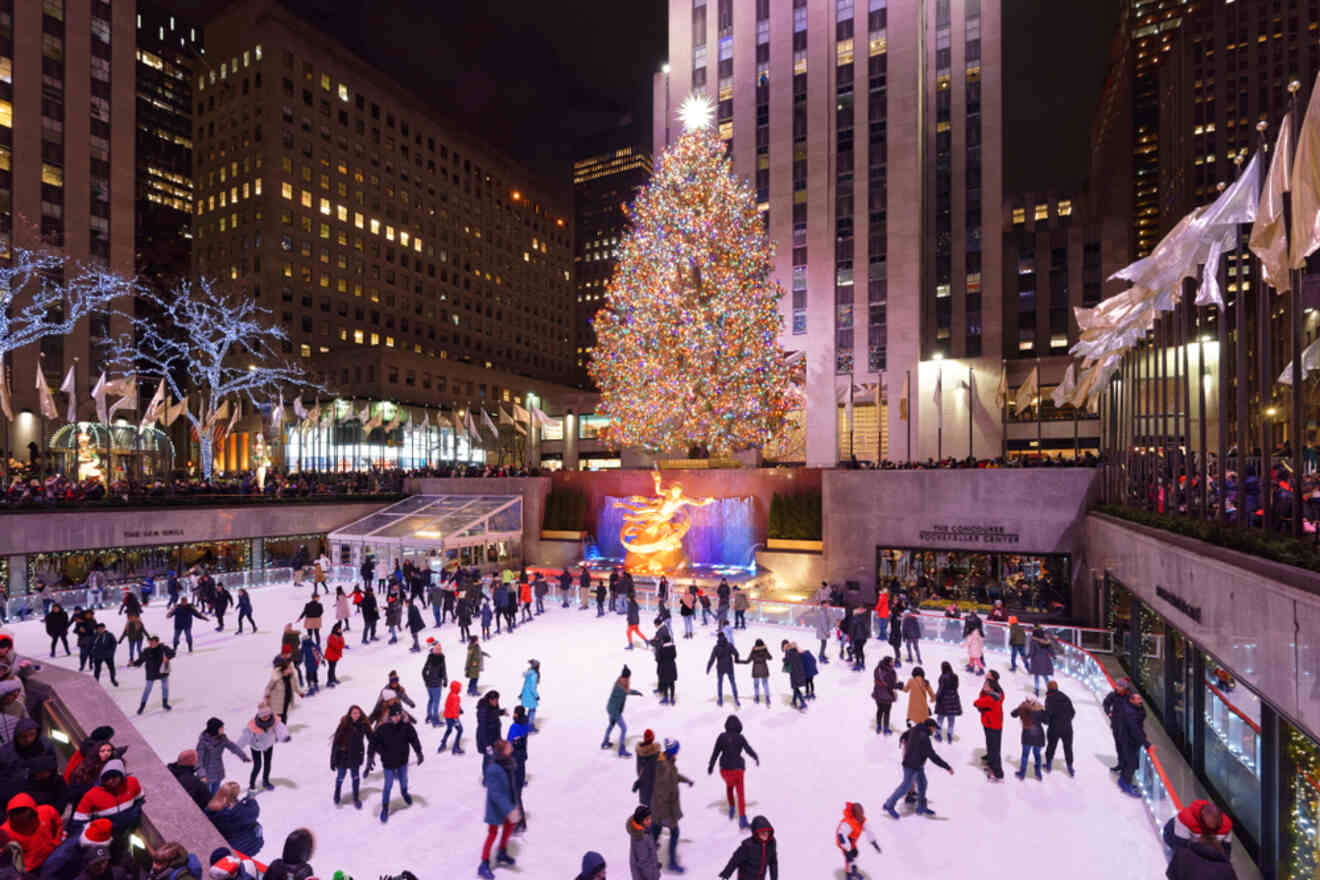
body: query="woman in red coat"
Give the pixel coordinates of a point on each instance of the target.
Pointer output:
(334, 651)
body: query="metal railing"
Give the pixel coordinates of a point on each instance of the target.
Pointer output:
(38, 604)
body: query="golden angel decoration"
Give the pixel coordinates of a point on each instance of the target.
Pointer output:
(653, 528)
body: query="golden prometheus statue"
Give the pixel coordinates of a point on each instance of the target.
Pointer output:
(653, 528)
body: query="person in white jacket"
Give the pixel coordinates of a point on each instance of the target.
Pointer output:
(260, 735)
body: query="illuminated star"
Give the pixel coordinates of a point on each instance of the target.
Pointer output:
(696, 112)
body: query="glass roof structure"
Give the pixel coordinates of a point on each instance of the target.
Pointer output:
(437, 522)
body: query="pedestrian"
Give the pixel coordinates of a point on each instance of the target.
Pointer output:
(919, 695)
(741, 604)
(184, 614)
(722, 657)
(1198, 820)
(260, 735)
(1017, 644)
(912, 635)
(502, 812)
(1059, 714)
(990, 703)
(103, 653)
(756, 857)
(435, 679)
(846, 835)
(859, 631)
(391, 740)
(665, 805)
(797, 678)
(415, 626)
(220, 603)
(643, 862)
(281, 690)
(823, 622)
(728, 750)
(915, 743)
(619, 695)
(134, 632)
(884, 692)
(975, 641)
(530, 696)
(156, 658)
(211, 745)
(57, 627)
(1041, 658)
(370, 616)
(334, 652)
(348, 747)
(472, 668)
(760, 659)
(1131, 737)
(648, 751)
(948, 705)
(1031, 714)
(453, 709)
(84, 630)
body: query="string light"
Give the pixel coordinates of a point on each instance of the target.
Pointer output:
(687, 349)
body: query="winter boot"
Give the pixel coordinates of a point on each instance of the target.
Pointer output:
(893, 814)
(743, 823)
(457, 750)
(167, 707)
(606, 744)
(357, 800)
(1070, 770)
(338, 785)
(141, 708)
(731, 809)
(407, 798)
(623, 752)
(483, 871)
(384, 815)
(503, 858)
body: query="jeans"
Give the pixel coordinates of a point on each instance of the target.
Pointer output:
(433, 698)
(164, 691)
(339, 780)
(64, 639)
(1022, 763)
(913, 645)
(1016, 651)
(882, 628)
(1037, 678)
(183, 634)
(435, 610)
(687, 625)
(1057, 734)
(452, 724)
(656, 828)
(740, 619)
(910, 775)
(993, 740)
(719, 685)
(96, 669)
(540, 604)
(761, 684)
(134, 649)
(399, 773)
(940, 722)
(330, 672)
(623, 732)
(882, 715)
(257, 756)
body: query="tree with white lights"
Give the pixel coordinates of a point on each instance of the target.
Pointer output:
(212, 348)
(43, 293)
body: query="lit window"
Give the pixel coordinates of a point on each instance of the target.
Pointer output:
(389, 233)
(256, 186)
(52, 175)
(375, 226)
(1019, 215)
(343, 92)
(325, 206)
(375, 339)
(1065, 207)
(357, 336)
(306, 198)
(403, 238)
(305, 350)
(417, 245)
(357, 219)
(389, 341)
(325, 81)
(341, 212)
(286, 190)
(1042, 212)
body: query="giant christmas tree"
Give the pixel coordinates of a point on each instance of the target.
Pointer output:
(686, 346)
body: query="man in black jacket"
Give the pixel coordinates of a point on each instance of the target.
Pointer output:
(1059, 714)
(156, 657)
(916, 749)
(756, 856)
(185, 771)
(391, 741)
(722, 657)
(183, 615)
(1130, 735)
(220, 603)
(488, 724)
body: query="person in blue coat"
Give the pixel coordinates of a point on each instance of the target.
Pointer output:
(530, 698)
(809, 670)
(519, 729)
(236, 819)
(502, 812)
(486, 615)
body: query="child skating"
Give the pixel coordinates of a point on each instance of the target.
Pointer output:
(846, 835)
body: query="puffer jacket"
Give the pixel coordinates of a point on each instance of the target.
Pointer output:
(665, 808)
(643, 861)
(947, 701)
(886, 683)
(760, 659)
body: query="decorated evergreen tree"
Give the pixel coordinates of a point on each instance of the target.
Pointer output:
(687, 351)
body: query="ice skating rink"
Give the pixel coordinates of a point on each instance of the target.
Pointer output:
(578, 796)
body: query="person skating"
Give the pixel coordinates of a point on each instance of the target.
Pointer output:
(211, 746)
(1059, 713)
(859, 632)
(488, 723)
(134, 633)
(990, 703)
(391, 740)
(1131, 736)
(103, 653)
(334, 652)
(919, 695)
(184, 614)
(665, 805)
(884, 691)
(917, 749)
(472, 668)
(530, 696)
(728, 750)
(260, 736)
(1041, 659)
(220, 603)
(486, 615)
(1017, 645)
(435, 679)
(687, 609)
(156, 658)
(912, 635)
(760, 658)
(600, 597)
(896, 630)
(281, 688)
(463, 614)
(502, 812)
(1031, 714)
(643, 862)
(948, 705)
(666, 665)
(393, 614)
(348, 748)
(435, 598)
(619, 695)
(974, 639)
(722, 656)
(823, 623)
(416, 623)
(342, 609)
(634, 622)
(129, 603)
(84, 630)
(757, 857)
(796, 667)
(593, 866)
(648, 752)
(453, 709)
(809, 671)
(370, 616)
(846, 835)
(519, 730)
(57, 627)
(741, 605)
(311, 657)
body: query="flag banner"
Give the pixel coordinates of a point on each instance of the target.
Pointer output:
(520, 414)
(1310, 360)
(1001, 393)
(277, 413)
(70, 387)
(903, 401)
(1269, 236)
(44, 396)
(489, 425)
(1026, 395)
(299, 410)
(155, 407)
(470, 426)
(1064, 390)
(1209, 293)
(938, 396)
(1306, 183)
(504, 417)
(6, 402)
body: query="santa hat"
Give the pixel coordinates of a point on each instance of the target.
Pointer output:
(96, 833)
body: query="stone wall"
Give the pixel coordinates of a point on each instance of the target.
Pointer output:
(1258, 618)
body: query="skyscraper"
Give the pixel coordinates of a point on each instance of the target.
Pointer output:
(871, 130)
(604, 182)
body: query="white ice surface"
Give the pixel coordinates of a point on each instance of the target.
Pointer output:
(579, 796)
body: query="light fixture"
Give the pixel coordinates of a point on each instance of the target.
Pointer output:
(938, 356)
(664, 68)
(696, 112)
(1271, 412)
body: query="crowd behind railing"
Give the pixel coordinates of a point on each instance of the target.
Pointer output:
(1087, 459)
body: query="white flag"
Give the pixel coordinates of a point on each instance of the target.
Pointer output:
(505, 418)
(70, 387)
(277, 414)
(470, 426)
(298, 409)
(128, 401)
(173, 412)
(1026, 395)
(1001, 393)
(489, 425)
(44, 396)
(157, 405)
(6, 404)
(1310, 360)
(1209, 291)
(520, 414)
(1063, 391)
(99, 393)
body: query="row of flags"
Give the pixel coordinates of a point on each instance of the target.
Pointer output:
(520, 419)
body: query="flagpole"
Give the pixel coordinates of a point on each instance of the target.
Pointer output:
(907, 423)
(1040, 446)
(939, 409)
(850, 419)
(1299, 372)
(1221, 322)
(1003, 411)
(970, 401)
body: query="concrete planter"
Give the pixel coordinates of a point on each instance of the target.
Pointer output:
(790, 544)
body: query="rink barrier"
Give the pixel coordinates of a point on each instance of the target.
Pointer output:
(1157, 792)
(35, 603)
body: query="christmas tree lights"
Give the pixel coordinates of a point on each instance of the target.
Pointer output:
(687, 351)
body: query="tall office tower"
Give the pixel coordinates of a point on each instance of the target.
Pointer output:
(871, 130)
(66, 166)
(168, 52)
(406, 261)
(615, 168)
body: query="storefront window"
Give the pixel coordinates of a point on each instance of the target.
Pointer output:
(1150, 669)
(1299, 816)
(1037, 584)
(70, 568)
(280, 551)
(1232, 745)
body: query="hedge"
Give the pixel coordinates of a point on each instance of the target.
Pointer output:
(795, 517)
(565, 511)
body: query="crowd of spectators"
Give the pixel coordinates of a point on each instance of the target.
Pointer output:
(1086, 459)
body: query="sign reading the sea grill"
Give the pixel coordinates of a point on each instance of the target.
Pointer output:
(977, 533)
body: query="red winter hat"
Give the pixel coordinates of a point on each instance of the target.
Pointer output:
(97, 833)
(648, 736)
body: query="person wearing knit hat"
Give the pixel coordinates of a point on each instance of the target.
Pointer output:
(260, 735)
(648, 753)
(593, 867)
(619, 695)
(117, 797)
(211, 746)
(434, 678)
(642, 858)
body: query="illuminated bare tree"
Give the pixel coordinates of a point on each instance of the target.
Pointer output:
(43, 293)
(211, 347)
